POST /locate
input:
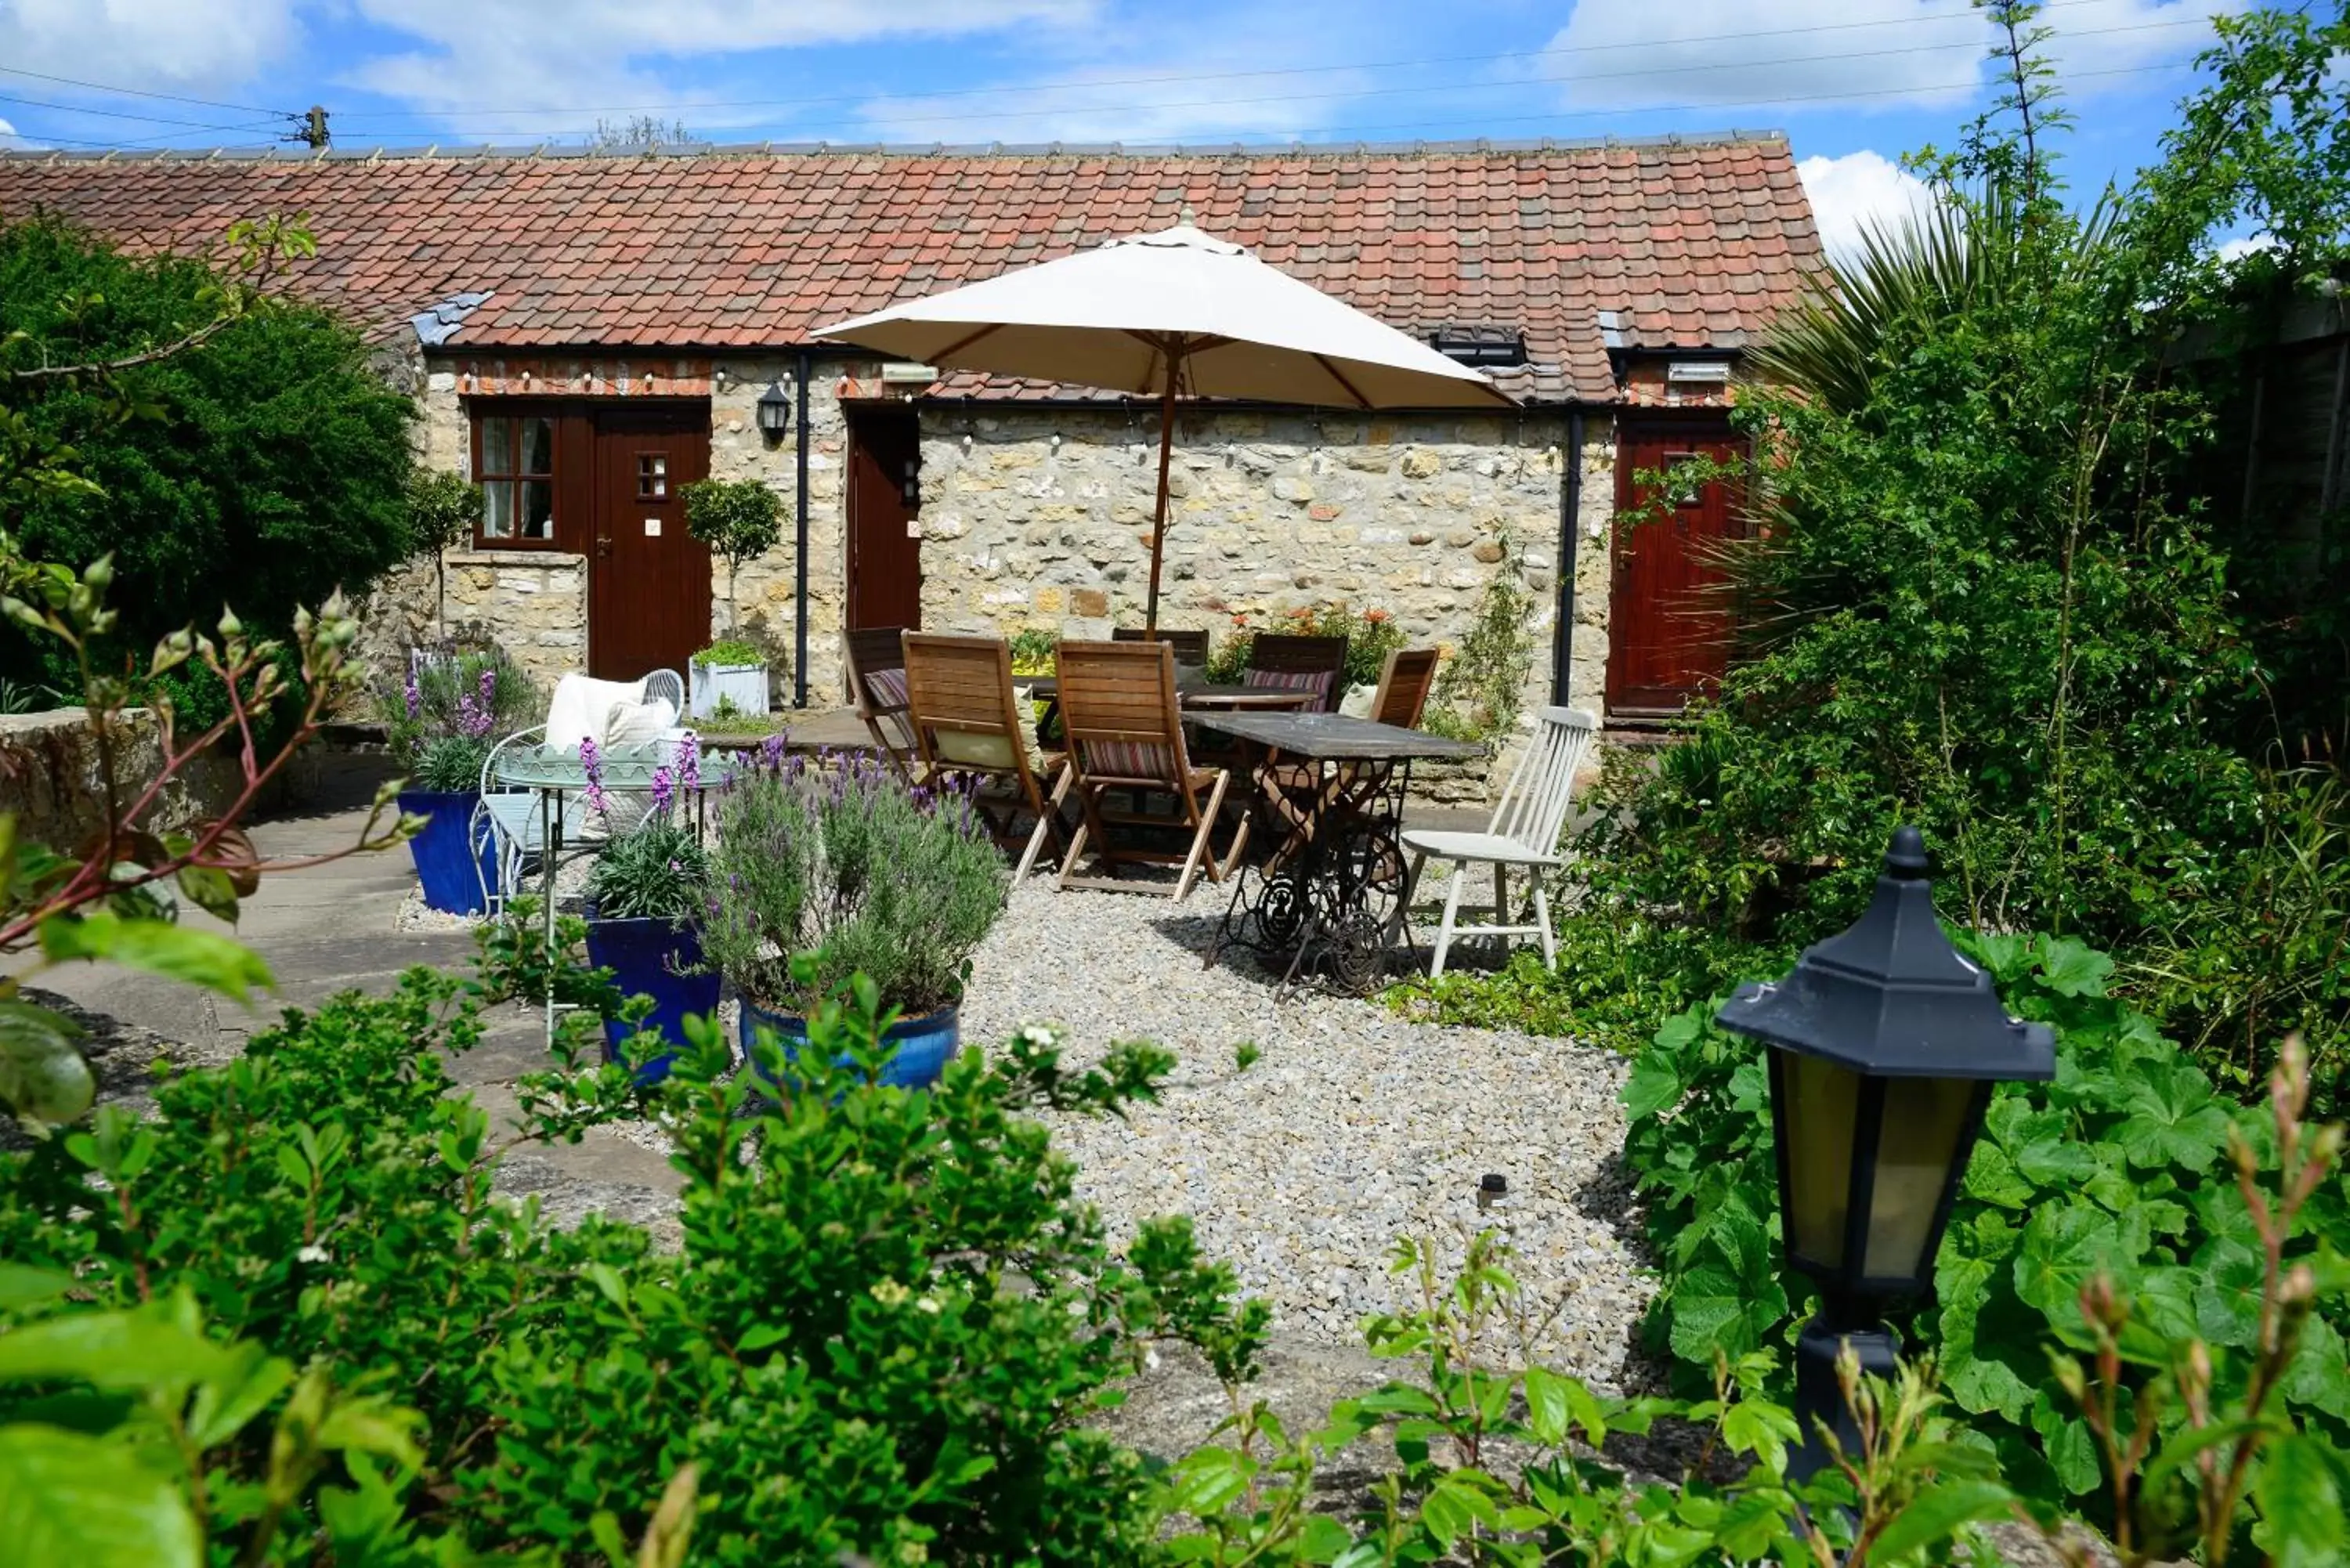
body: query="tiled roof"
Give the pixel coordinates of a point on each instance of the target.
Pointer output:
(1692, 241)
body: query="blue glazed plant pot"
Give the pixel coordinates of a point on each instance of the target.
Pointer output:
(924, 1045)
(453, 869)
(644, 956)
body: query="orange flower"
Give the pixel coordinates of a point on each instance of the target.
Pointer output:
(1375, 615)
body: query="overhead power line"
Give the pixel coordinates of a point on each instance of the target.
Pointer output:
(135, 93)
(125, 114)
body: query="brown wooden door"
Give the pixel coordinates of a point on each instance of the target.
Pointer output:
(1669, 624)
(649, 584)
(885, 557)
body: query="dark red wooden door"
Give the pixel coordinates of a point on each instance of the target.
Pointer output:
(649, 582)
(885, 557)
(1668, 625)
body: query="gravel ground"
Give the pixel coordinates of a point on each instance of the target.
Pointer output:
(1354, 1128)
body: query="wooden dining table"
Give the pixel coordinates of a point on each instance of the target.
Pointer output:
(1199, 694)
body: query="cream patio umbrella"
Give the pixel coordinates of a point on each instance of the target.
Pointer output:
(1175, 313)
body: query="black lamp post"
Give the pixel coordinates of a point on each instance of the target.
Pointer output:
(1885, 1044)
(774, 412)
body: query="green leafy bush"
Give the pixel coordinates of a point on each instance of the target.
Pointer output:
(887, 1319)
(455, 708)
(849, 866)
(1035, 650)
(265, 463)
(1371, 634)
(730, 650)
(2117, 1167)
(1481, 692)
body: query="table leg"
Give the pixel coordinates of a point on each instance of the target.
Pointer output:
(550, 854)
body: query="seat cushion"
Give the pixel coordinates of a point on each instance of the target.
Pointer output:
(971, 749)
(628, 725)
(1318, 682)
(886, 689)
(1128, 759)
(581, 707)
(1487, 847)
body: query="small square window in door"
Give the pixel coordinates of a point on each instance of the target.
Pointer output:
(1683, 484)
(652, 476)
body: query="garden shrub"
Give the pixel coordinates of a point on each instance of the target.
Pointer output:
(1371, 634)
(885, 1325)
(266, 464)
(2119, 1166)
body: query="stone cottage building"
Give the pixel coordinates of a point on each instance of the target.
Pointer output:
(585, 334)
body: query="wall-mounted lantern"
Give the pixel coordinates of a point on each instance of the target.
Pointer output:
(774, 411)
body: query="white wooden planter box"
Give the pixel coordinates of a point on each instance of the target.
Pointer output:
(746, 684)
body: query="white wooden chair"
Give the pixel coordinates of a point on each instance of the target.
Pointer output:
(1524, 831)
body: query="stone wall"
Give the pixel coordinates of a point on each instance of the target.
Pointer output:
(1041, 517)
(52, 782)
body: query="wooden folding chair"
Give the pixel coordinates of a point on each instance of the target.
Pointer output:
(1125, 730)
(1405, 681)
(966, 723)
(1300, 793)
(1317, 664)
(877, 682)
(1190, 646)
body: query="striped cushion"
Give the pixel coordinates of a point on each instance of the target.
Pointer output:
(1314, 681)
(887, 688)
(1128, 759)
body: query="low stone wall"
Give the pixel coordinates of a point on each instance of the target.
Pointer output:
(52, 782)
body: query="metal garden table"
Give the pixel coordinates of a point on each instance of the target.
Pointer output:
(557, 777)
(1334, 804)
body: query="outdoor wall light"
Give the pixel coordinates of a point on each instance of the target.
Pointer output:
(1885, 1043)
(774, 412)
(910, 488)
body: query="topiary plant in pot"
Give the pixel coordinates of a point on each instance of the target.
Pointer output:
(739, 519)
(851, 873)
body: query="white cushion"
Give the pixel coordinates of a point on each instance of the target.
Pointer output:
(1357, 703)
(582, 707)
(1486, 846)
(630, 724)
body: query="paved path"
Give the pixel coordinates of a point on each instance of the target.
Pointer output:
(329, 928)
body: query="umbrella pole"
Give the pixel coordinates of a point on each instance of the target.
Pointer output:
(1159, 528)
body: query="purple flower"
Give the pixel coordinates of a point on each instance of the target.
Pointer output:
(664, 790)
(689, 776)
(591, 764)
(415, 697)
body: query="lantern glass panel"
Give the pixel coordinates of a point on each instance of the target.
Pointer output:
(1925, 1123)
(1818, 1103)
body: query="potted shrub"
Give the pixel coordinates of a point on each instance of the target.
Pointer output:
(451, 709)
(729, 677)
(852, 873)
(739, 519)
(644, 899)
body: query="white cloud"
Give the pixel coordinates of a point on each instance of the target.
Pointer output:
(2243, 246)
(1859, 190)
(553, 54)
(1867, 55)
(186, 46)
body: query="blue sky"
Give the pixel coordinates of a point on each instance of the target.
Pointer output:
(1855, 83)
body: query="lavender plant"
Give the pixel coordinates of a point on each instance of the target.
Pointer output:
(844, 863)
(659, 869)
(451, 712)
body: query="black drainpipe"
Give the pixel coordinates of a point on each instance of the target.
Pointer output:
(1570, 505)
(799, 560)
